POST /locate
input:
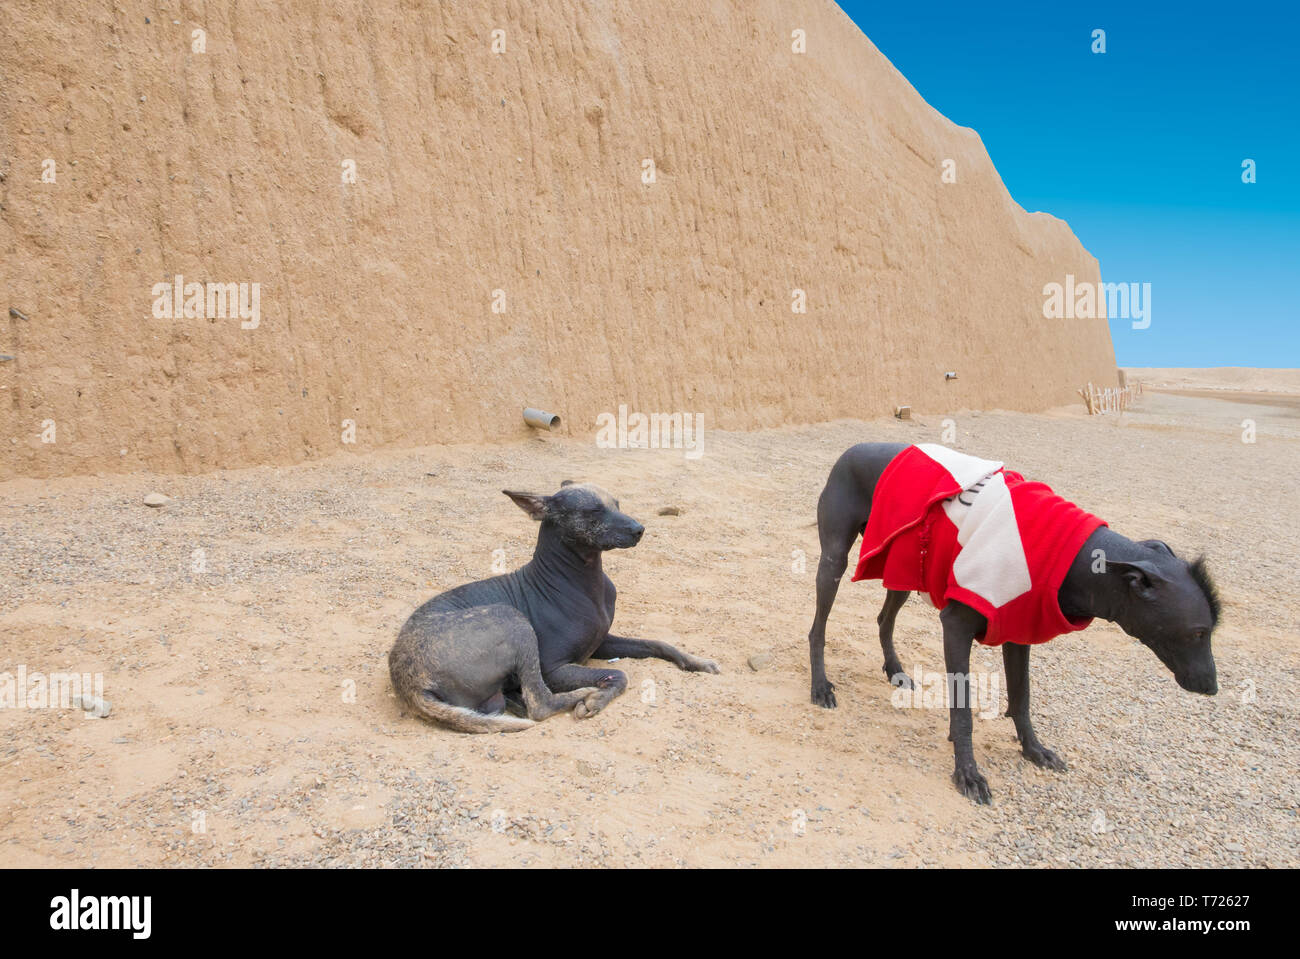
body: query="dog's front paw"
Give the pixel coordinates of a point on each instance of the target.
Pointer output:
(972, 784)
(693, 664)
(823, 694)
(1040, 755)
(900, 679)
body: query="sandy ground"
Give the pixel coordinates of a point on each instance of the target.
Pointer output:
(253, 723)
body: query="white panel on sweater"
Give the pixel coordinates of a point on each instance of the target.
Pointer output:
(992, 559)
(967, 470)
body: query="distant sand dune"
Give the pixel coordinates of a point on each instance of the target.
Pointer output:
(1237, 378)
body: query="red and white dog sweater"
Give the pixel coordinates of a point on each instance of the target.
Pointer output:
(961, 528)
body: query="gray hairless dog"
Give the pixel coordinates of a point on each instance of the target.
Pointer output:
(1168, 604)
(462, 655)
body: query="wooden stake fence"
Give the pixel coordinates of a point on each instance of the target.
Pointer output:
(1112, 399)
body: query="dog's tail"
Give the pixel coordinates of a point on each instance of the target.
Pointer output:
(465, 720)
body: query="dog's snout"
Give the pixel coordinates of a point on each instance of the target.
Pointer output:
(1204, 683)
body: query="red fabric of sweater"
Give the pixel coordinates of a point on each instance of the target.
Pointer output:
(960, 528)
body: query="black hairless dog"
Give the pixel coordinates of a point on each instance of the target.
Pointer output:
(1170, 605)
(466, 653)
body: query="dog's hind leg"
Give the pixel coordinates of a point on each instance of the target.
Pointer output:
(838, 525)
(448, 666)
(894, 600)
(539, 701)
(454, 667)
(608, 684)
(842, 513)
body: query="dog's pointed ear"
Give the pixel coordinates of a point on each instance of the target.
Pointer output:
(534, 504)
(1140, 575)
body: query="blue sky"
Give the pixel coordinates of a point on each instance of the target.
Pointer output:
(1139, 149)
